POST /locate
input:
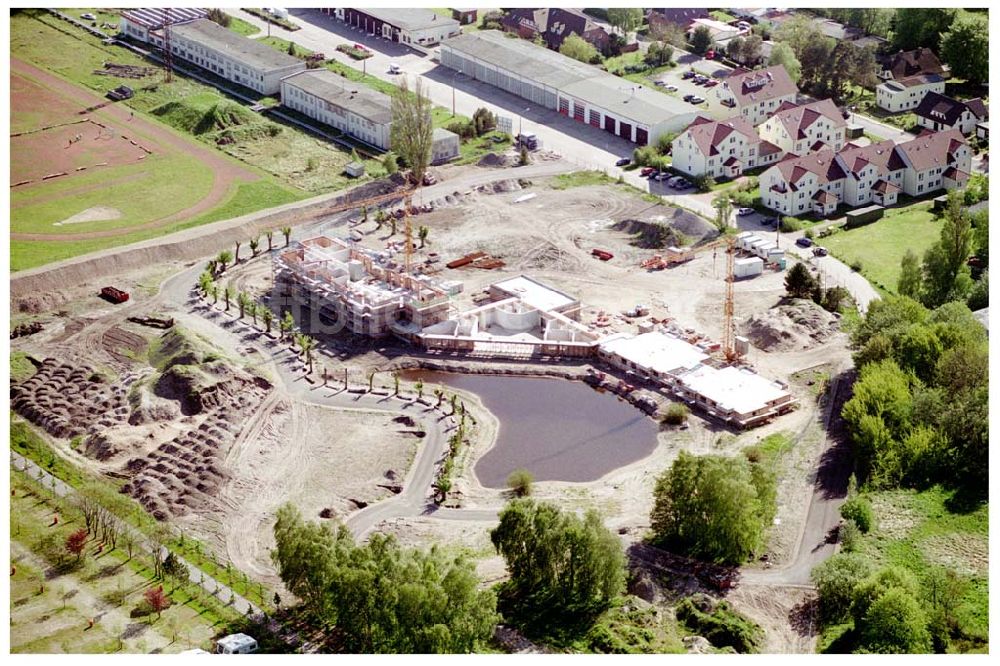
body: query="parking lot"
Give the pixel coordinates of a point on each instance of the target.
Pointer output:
(675, 78)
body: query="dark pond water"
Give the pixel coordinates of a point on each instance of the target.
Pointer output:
(557, 429)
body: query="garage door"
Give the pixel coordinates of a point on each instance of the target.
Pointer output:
(595, 118)
(564, 106)
(609, 124)
(578, 111)
(625, 130)
(641, 136)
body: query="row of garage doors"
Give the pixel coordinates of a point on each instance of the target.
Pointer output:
(609, 124)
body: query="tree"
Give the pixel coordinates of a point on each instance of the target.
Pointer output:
(723, 210)
(911, 276)
(519, 481)
(254, 245)
(287, 233)
(412, 128)
(270, 239)
(214, 291)
(712, 507)
(252, 309)
(76, 542)
(223, 259)
(556, 559)
(287, 324)
(979, 295)
(219, 16)
(291, 49)
(484, 121)
(228, 293)
(782, 54)
(859, 510)
(422, 233)
(918, 351)
(383, 598)
(916, 27)
(946, 273)
(205, 282)
(242, 301)
(799, 282)
(701, 40)
(307, 344)
(236, 255)
(626, 19)
(523, 158)
(578, 48)
(670, 33)
(835, 581)
(268, 318)
(389, 163)
(156, 599)
(893, 622)
(174, 568)
(658, 54)
(966, 47)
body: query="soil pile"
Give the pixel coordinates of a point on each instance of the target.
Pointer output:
(794, 326)
(498, 161)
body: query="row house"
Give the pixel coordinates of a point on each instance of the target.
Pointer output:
(859, 175)
(805, 128)
(901, 95)
(938, 112)
(756, 94)
(414, 26)
(721, 148)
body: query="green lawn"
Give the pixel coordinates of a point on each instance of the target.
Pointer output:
(881, 245)
(720, 15)
(20, 367)
(53, 597)
(241, 27)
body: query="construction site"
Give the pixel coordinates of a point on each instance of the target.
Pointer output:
(216, 421)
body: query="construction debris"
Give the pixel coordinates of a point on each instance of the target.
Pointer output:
(125, 71)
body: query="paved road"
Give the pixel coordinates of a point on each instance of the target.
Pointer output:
(222, 592)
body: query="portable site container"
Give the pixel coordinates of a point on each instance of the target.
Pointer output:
(749, 267)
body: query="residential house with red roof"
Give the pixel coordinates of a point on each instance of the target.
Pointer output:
(554, 25)
(721, 148)
(756, 94)
(805, 128)
(859, 175)
(904, 64)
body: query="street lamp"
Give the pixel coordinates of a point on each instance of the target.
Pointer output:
(520, 120)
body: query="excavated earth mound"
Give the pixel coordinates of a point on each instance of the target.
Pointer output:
(794, 326)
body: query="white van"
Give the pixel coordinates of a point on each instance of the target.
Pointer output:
(394, 68)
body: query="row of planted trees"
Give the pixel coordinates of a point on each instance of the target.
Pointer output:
(222, 261)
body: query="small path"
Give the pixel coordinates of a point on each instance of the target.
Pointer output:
(220, 591)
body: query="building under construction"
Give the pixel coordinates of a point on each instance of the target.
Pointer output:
(365, 292)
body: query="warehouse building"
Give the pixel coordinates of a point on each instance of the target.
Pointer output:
(233, 57)
(138, 23)
(574, 89)
(409, 25)
(356, 110)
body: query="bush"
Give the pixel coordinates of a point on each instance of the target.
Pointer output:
(722, 626)
(856, 265)
(850, 536)
(463, 128)
(790, 224)
(520, 481)
(836, 580)
(859, 510)
(809, 234)
(676, 414)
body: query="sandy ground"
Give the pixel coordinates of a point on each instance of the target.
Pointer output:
(93, 214)
(314, 457)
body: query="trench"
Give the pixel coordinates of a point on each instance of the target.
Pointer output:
(558, 429)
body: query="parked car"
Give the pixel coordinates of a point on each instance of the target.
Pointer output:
(394, 68)
(88, 17)
(360, 47)
(710, 55)
(711, 82)
(688, 97)
(770, 222)
(647, 171)
(623, 162)
(820, 251)
(697, 100)
(688, 74)
(663, 175)
(683, 184)
(803, 242)
(671, 88)
(659, 83)
(700, 79)
(745, 211)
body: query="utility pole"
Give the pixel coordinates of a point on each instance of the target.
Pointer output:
(167, 56)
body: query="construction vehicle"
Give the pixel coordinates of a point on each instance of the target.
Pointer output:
(114, 295)
(528, 140)
(120, 94)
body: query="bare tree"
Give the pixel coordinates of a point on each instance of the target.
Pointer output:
(412, 130)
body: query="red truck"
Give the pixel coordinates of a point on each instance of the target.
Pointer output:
(603, 255)
(114, 294)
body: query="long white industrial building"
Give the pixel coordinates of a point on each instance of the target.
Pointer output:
(574, 89)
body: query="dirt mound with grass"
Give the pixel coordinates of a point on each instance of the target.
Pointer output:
(793, 326)
(219, 121)
(651, 235)
(497, 160)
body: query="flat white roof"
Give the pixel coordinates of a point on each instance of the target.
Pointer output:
(656, 351)
(732, 388)
(535, 294)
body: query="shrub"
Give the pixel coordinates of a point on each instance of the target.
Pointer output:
(856, 265)
(809, 234)
(859, 510)
(520, 481)
(835, 581)
(463, 128)
(676, 414)
(722, 626)
(850, 536)
(790, 224)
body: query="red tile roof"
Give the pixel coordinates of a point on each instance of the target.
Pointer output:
(885, 187)
(910, 63)
(822, 164)
(940, 108)
(760, 84)
(708, 134)
(931, 150)
(797, 119)
(825, 197)
(955, 174)
(882, 155)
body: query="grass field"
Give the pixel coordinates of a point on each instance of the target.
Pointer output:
(54, 597)
(241, 27)
(926, 533)
(881, 245)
